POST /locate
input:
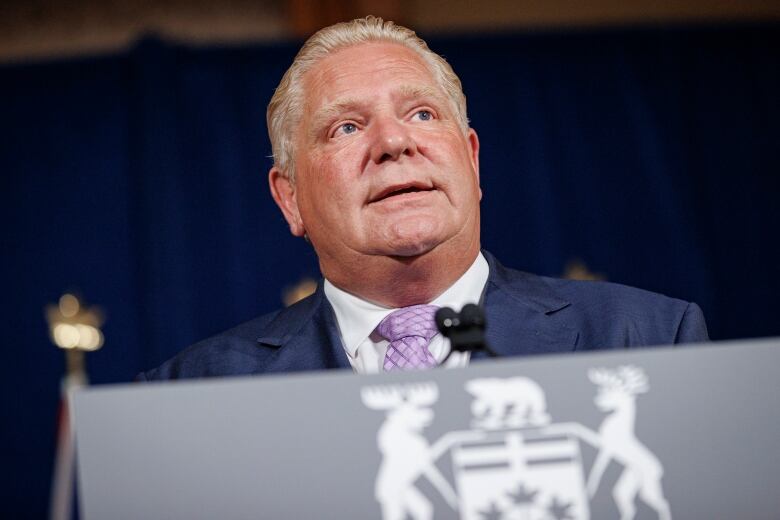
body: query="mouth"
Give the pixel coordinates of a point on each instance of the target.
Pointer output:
(405, 190)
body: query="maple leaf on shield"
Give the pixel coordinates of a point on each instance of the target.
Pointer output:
(523, 495)
(492, 514)
(559, 510)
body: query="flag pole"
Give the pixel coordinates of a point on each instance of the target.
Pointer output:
(76, 330)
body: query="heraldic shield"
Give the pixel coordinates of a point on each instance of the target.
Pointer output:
(523, 474)
(514, 462)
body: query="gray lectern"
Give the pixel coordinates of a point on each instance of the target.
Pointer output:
(685, 433)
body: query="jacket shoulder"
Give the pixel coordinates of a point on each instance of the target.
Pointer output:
(605, 315)
(233, 352)
(616, 314)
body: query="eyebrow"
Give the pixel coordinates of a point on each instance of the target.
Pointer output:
(332, 110)
(415, 92)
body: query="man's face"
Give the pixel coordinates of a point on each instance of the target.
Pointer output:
(382, 166)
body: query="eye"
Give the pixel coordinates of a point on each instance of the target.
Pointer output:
(424, 115)
(345, 128)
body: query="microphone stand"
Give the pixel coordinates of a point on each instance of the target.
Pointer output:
(465, 329)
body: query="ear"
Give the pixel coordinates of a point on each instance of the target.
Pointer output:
(474, 154)
(283, 192)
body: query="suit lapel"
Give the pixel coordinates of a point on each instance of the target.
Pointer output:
(524, 315)
(305, 336)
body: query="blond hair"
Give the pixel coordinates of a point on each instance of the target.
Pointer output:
(285, 109)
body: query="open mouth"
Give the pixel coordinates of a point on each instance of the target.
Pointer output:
(400, 191)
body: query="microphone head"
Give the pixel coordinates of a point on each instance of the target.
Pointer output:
(446, 320)
(472, 316)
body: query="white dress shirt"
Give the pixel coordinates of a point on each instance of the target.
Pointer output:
(357, 320)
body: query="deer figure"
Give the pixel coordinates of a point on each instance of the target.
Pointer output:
(406, 453)
(642, 470)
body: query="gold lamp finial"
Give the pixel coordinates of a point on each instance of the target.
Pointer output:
(73, 326)
(75, 329)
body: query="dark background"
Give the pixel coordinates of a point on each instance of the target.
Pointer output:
(138, 179)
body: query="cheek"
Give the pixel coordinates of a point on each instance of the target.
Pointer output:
(448, 148)
(339, 163)
(329, 189)
(456, 165)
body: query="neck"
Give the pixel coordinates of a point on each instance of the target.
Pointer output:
(625, 414)
(402, 281)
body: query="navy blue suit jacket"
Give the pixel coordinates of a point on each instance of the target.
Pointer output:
(526, 314)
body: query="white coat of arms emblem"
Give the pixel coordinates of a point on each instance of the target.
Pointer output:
(513, 462)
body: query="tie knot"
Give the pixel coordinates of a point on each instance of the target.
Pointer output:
(417, 320)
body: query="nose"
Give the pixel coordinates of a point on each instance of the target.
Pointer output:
(392, 140)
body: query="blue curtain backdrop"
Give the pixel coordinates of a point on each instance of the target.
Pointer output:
(138, 179)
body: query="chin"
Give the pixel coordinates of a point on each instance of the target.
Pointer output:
(412, 246)
(410, 251)
(412, 235)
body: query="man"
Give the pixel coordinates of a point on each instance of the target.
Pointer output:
(375, 164)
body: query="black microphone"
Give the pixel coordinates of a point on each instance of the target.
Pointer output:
(446, 319)
(465, 329)
(472, 315)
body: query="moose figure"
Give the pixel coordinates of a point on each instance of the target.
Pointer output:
(406, 452)
(642, 470)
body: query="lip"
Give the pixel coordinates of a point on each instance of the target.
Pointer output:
(404, 190)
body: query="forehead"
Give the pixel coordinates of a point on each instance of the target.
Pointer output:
(365, 68)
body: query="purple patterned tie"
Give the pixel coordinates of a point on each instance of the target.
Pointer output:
(409, 331)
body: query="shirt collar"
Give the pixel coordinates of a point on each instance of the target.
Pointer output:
(357, 318)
